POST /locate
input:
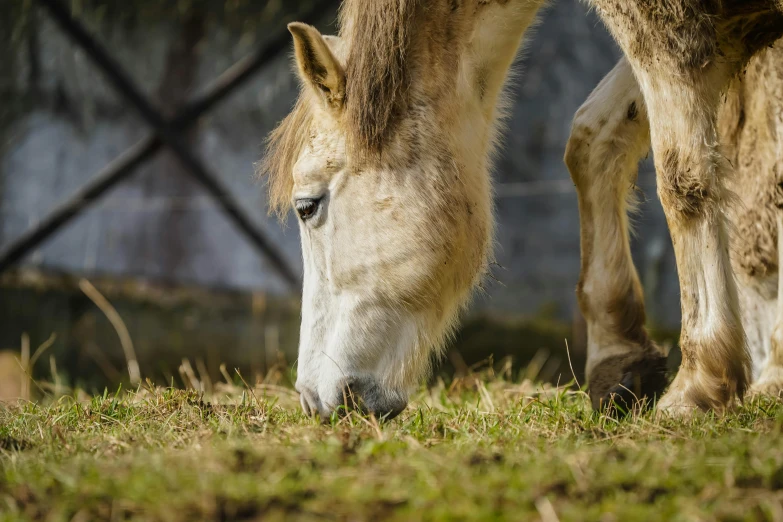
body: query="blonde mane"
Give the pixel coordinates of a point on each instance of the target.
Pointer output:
(379, 34)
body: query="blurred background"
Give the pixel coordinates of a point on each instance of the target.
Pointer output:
(153, 270)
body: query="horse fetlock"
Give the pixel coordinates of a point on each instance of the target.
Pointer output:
(719, 363)
(696, 389)
(682, 399)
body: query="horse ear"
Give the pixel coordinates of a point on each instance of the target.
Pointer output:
(317, 65)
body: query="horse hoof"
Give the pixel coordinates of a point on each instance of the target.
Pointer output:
(638, 388)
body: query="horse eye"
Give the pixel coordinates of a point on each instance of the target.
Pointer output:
(306, 208)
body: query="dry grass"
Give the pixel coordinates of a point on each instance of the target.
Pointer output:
(479, 449)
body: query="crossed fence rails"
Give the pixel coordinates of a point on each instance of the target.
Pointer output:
(167, 132)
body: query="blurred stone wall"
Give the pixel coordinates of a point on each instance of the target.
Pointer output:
(60, 124)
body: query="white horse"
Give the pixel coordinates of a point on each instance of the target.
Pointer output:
(386, 160)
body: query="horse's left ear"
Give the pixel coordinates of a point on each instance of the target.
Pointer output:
(317, 65)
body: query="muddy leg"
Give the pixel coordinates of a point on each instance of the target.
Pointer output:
(610, 134)
(691, 173)
(765, 95)
(682, 71)
(770, 382)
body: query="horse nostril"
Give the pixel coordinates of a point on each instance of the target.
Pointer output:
(367, 396)
(350, 397)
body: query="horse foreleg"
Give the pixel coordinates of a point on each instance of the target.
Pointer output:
(682, 71)
(770, 382)
(609, 136)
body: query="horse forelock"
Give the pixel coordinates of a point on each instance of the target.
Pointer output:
(380, 35)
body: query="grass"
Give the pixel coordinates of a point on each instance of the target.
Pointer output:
(482, 449)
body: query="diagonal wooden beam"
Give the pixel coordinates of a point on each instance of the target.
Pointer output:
(116, 171)
(124, 165)
(170, 136)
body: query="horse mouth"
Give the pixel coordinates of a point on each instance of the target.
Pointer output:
(362, 395)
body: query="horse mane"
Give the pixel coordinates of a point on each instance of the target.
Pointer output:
(379, 35)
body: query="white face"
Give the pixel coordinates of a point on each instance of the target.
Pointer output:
(382, 284)
(392, 247)
(351, 328)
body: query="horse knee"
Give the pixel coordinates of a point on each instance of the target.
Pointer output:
(577, 153)
(685, 186)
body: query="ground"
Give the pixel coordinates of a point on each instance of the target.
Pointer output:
(479, 449)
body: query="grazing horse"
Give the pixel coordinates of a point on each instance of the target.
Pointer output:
(386, 157)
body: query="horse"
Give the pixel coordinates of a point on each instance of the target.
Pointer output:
(386, 160)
